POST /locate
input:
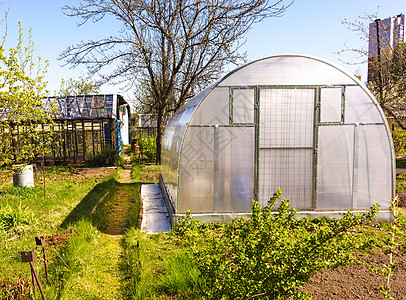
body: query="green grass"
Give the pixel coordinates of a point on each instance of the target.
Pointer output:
(88, 267)
(99, 262)
(34, 216)
(157, 267)
(144, 173)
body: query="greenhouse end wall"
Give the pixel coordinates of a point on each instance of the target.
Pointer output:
(293, 122)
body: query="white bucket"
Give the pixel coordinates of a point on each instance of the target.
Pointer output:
(24, 176)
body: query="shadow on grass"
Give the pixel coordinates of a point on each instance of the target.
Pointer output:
(112, 207)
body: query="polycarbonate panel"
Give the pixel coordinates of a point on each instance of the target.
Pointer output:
(243, 106)
(330, 101)
(287, 70)
(236, 169)
(290, 169)
(374, 184)
(172, 141)
(196, 177)
(217, 170)
(335, 167)
(286, 117)
(170, 153)
(214, 109)
(359, 107)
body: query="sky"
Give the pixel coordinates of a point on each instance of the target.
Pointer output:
(308, 27)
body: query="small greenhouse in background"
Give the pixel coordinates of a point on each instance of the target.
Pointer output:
(85, 125)
(295, 122)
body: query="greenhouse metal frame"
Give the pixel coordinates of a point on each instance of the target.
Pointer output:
(289, 121)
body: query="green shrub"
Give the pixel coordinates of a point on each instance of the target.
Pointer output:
(271, 255)
(399, 140)
(108, 157)
(147, 146)
(400, 186)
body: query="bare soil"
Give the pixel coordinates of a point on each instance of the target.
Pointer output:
(357, 281)
(83, 173)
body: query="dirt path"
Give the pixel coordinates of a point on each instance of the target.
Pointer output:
(125, 174)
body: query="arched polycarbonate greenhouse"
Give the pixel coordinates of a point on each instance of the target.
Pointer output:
(295, 122)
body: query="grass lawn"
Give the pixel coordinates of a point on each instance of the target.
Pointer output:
(97, 212)
(95, 251)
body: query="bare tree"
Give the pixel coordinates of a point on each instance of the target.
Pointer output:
(177, 46)
(386, 65)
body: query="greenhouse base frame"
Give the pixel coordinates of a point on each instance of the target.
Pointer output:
(224, 217)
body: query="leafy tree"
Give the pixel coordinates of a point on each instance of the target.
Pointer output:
(81, 86)
(22, 111)
(386, 70)
(178, 47)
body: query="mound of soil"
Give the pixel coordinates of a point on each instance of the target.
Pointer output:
(59, 239)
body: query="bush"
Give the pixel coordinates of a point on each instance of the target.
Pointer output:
(271, 255)
(399, 140)
(108, 157)
(147, 146)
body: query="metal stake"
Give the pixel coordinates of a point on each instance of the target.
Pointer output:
(30, 256)
(41, 242)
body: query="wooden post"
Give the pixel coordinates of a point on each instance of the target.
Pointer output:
(83, 140)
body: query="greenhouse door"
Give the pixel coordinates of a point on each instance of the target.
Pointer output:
(285, 146)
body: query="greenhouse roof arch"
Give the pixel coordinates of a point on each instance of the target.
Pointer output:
(290, 121)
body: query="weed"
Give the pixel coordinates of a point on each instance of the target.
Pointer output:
(87, 266)
(21, 191)
(145, 173)
(19, 289)
(399, 140)
(108, 157)
(13, 218)
(400, 186)
(391, 244)
(130, 264)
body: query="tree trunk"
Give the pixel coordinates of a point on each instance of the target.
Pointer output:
(159, 122)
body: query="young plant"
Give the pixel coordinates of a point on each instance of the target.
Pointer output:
(148, 147)
(18, 289)
(391, 244)
(271, 255)
(22, 110)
